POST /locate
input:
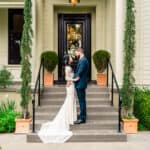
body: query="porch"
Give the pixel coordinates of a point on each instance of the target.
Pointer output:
(105, 32)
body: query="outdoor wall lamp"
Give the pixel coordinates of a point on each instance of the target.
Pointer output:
(74, 2)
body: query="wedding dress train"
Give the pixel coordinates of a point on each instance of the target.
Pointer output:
(57, 130)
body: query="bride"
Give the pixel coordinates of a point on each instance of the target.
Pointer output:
(57, 130)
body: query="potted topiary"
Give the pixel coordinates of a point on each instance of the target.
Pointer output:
(101, 59)
(50, 60)
(127, 92)
(23, 122)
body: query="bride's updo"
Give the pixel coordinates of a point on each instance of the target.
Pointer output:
(66, 60)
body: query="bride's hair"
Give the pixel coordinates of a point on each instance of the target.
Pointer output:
(66, 60)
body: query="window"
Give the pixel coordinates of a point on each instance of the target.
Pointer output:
(15, 28)
(74, 37)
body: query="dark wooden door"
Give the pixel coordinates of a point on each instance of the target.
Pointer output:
(74, 30)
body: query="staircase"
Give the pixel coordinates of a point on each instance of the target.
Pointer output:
(102, 118)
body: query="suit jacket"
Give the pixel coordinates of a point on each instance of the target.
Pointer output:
(81, 71)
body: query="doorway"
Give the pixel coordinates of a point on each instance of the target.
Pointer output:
(74, 30)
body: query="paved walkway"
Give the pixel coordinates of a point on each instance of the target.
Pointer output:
(140, 141)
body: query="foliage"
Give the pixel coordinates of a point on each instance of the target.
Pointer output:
(129, 54)
(142, 106)
(141, 127)
(50, 60)
(7, 116)
(101, 59)
(5, 77)
(26, 44)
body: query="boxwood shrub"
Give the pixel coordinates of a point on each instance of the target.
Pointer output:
(142, 106)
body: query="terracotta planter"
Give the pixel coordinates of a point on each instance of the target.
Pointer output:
(130, 125)
(48, 78)
(101, 79)
(22, 125)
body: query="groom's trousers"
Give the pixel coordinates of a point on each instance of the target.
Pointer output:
(82, 102)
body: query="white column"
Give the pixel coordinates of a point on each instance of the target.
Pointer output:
(119, 32)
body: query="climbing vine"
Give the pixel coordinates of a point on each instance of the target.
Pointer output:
(129, 54)
(26, 44)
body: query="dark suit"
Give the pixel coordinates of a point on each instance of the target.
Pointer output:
(81, 85)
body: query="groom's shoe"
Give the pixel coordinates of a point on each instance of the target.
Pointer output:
(79, 121)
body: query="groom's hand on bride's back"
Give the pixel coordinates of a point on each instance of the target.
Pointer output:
(76, 79)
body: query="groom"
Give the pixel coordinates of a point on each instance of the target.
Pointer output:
(80, 79)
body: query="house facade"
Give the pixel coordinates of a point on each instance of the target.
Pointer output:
(60, 26)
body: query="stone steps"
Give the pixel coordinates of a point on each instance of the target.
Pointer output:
(90, 116)
(89, 102)
(102, 118)
(90, 124)
(88, 99)
(62, 89)
(97, 136)
(89, 136)
(63, 94)
(91, 108)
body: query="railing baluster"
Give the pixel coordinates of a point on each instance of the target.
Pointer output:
(107, 74)
(37, 85)
(112, 90)
(39, 92)
(43, 77)
(119, 122)
(112, 94)
(33, 114)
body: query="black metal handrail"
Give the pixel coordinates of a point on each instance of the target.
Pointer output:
(114, 80)
(37, 87)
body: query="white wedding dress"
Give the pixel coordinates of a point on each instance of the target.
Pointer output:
(57, 130)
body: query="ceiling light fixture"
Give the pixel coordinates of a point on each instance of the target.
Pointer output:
(74, 2)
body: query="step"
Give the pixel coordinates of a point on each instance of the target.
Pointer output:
(115, 113)
(90, 124)
(87, 136)
(96, 90)
(96, 116)
(89, 102)
(61, 99)
(61, 87)
(63, 94)
(98, 136)
(90, 108)
(88, 93)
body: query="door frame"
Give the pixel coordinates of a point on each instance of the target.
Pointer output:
(63, 20)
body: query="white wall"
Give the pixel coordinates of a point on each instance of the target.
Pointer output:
(14, 69)
(3, 36)
(103, 21)
(143, 42)
(107, 32)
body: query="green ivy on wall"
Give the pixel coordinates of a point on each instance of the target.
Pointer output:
(129, 54)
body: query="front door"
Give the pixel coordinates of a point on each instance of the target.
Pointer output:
(74, 30)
